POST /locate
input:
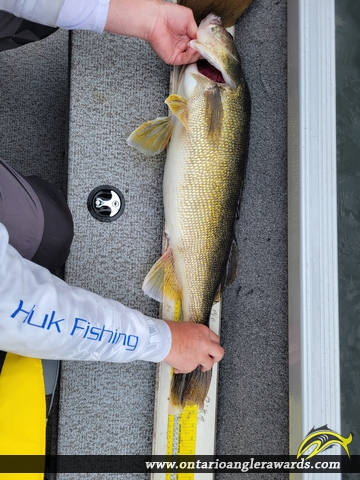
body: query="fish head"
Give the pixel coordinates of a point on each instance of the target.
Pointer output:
(216, 45)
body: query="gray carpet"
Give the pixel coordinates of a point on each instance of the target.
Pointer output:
(116, 84)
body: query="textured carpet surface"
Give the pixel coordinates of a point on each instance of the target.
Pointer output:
(116, 84)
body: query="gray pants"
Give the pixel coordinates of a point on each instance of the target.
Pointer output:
(36, 216)
(33, 211)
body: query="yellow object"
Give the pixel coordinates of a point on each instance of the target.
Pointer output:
(182, 437)
(22, 411)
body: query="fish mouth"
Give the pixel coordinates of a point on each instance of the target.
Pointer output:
(216, 45)
(209, 71)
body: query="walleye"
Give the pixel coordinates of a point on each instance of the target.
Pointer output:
(203, 178)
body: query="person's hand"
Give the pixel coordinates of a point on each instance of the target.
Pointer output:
(193, 344)
(171, 33)
(166, 26)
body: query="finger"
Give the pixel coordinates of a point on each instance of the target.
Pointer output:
(192, 29)
(193, 55)
(189, 56)
(207, 364)
(214, 337)
(214, 356)
(217, 353)
(188, 370)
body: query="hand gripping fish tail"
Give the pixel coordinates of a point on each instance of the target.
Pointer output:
(206, 136)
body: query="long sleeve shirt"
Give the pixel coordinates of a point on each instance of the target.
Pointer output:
(42, 316)
(66, 14)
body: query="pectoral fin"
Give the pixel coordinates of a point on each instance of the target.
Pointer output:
(179, 107)
(161, 281)
(152, 137)
(214, 112)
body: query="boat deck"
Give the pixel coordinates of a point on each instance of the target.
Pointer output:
(116, 83)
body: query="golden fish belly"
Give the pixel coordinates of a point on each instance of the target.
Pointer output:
(202, 181)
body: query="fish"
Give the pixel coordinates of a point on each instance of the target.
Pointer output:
(207, 136)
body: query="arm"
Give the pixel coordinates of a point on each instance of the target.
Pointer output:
(66, 14)
(167, 27)
(41, 316)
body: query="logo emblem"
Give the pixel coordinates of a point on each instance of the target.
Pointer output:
(323, 438)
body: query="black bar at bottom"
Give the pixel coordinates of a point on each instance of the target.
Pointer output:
(178, 464)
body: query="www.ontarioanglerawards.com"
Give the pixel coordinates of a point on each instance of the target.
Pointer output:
(265, 464)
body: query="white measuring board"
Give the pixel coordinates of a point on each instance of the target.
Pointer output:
(193, 431)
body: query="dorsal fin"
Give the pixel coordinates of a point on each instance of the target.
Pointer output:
(214, 112)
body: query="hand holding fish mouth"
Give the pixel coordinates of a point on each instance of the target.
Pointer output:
(166, 26)
(171, 33)
(192, 345)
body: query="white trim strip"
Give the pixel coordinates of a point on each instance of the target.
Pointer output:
(313, 273)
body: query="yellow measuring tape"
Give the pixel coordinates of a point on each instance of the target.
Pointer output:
(22, 411)
(182, 437)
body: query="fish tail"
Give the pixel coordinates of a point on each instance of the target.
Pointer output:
(190, 388)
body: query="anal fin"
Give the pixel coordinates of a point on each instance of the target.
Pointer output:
(161, 281)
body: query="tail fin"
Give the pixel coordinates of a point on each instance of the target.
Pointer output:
(190, 388)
